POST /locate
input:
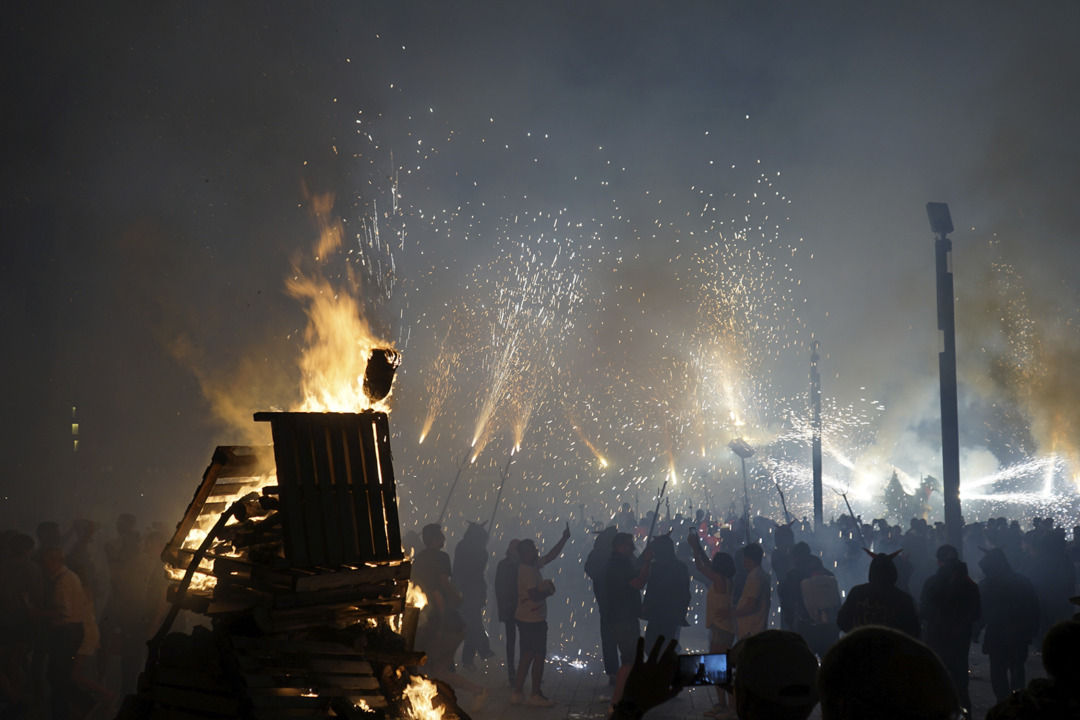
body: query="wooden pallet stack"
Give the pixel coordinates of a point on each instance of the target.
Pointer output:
(302, 577)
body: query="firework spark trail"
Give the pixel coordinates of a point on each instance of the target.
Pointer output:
(739, 286)
(535, 299)
(439, 381)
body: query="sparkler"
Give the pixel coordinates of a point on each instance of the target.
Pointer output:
(656, 513)
(453, 486)
(503, 474)
(650, 388)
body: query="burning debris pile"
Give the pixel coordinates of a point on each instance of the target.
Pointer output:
(294, 554)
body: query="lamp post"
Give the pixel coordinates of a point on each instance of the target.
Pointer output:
(941, 225)
(743, 450)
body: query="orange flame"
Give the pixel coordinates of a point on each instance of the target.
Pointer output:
(338, 337)
(421, 693)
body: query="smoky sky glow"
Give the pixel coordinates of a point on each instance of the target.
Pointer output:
(603, 236)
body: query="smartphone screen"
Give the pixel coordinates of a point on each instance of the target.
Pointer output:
(708, 669)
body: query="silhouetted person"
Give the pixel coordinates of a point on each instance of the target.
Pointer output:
(21, 598)
(667, 593)
(596, 566)
(65, 608)
(123, 626)
(1058, 696)
(470, 563)
(719, 572)
(775, 677)
(624, 581)
(818, 607)
(1010, 616)
(531, 615)
(951, 607)
(751, 614)
(880, 673)
(1054, 576)
(879, 601)
(626, 519)
(506, 597)
(441, 628)
(789, 585)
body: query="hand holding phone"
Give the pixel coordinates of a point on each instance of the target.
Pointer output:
(706, 669)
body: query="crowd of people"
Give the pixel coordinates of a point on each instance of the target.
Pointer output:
(1006, 593)
(73, 636)
(75, 616)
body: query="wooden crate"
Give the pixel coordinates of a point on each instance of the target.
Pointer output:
(336, 486)
(234, 471)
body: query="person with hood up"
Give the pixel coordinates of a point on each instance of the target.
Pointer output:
(1010, 616)
(879, 601)
(951, 606)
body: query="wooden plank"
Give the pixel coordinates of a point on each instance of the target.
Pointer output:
(304, 432)
(312, 704)
(354, 457)
(378, 573)
(194, 700)
(236, 489)
(381, 427)
(171, 552)
(277, 645)
(182, 678)
(292, 502)
(160, 712)
(346, 513)
(314, 682)
(273, 665)
(369, 482)
(322, 437)
(343, 682)
(346, 595)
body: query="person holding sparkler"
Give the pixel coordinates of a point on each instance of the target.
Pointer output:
(531, 615)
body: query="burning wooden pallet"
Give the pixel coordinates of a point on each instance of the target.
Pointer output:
(294, 553)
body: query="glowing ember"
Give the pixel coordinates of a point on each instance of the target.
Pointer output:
(415, 597)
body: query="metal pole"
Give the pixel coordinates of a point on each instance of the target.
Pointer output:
(941, 224)
(453, 485)
(815, 442)
(656, 513)
(858, 524)
(783, 503)
(746, 501)
(504, 474)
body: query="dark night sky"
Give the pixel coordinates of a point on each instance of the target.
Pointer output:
(155, 155)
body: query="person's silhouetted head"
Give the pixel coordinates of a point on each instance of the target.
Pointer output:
(775, 677)
(752, 554)
(1060, 657)
(723, 564)
(433, 536)
(878, 672)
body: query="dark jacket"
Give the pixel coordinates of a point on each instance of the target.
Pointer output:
(470, 561)
(622, 602)
(879, 602)
(506, 587)
(950, 606)
(1010, 605)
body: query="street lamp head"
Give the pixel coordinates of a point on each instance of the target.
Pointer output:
(741, 448)
(940, 219)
